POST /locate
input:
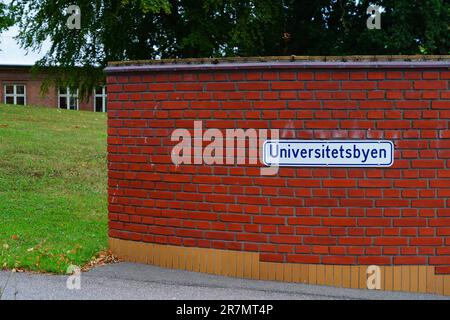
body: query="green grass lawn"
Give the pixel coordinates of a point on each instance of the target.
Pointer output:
(53, 189)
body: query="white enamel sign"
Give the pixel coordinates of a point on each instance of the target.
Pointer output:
(328, 153)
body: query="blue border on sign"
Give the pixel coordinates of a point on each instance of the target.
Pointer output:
(354, 165)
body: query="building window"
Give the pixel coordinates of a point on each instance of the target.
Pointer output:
(100, 96)
(68, 99)
(15, 94)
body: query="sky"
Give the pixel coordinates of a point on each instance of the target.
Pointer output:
(11, 53)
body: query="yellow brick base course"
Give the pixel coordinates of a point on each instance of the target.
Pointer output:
(407, 278)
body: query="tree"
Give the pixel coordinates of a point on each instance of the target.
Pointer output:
(5, 19)
(215, 28)
(151, 29)
(110, 30)
(338, 27)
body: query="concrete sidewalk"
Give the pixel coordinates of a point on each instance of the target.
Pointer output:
(135, 281)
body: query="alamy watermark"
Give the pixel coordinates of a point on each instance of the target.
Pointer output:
(373, 277)
(237, 146)
(74, 20)
(73, 282)
(374, 20)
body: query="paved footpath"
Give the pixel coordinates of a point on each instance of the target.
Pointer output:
(135, 281)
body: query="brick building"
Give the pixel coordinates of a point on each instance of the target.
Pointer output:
(20, 87)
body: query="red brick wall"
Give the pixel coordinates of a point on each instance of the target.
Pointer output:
(389, 216)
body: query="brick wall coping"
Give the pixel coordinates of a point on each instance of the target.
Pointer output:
(321, 62)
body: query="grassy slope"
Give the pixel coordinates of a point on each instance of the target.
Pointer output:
(53, 197)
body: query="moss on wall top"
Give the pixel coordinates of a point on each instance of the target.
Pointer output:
(365, 58)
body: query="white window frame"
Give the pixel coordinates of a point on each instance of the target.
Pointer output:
(103, 95)
(67, 96)
(15, 95)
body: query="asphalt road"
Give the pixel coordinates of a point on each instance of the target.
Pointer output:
(125, 281)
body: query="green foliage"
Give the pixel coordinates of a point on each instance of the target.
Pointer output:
(5, 19)
(150, 29)
(150, 6)
(111, 30)
(339, 27)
